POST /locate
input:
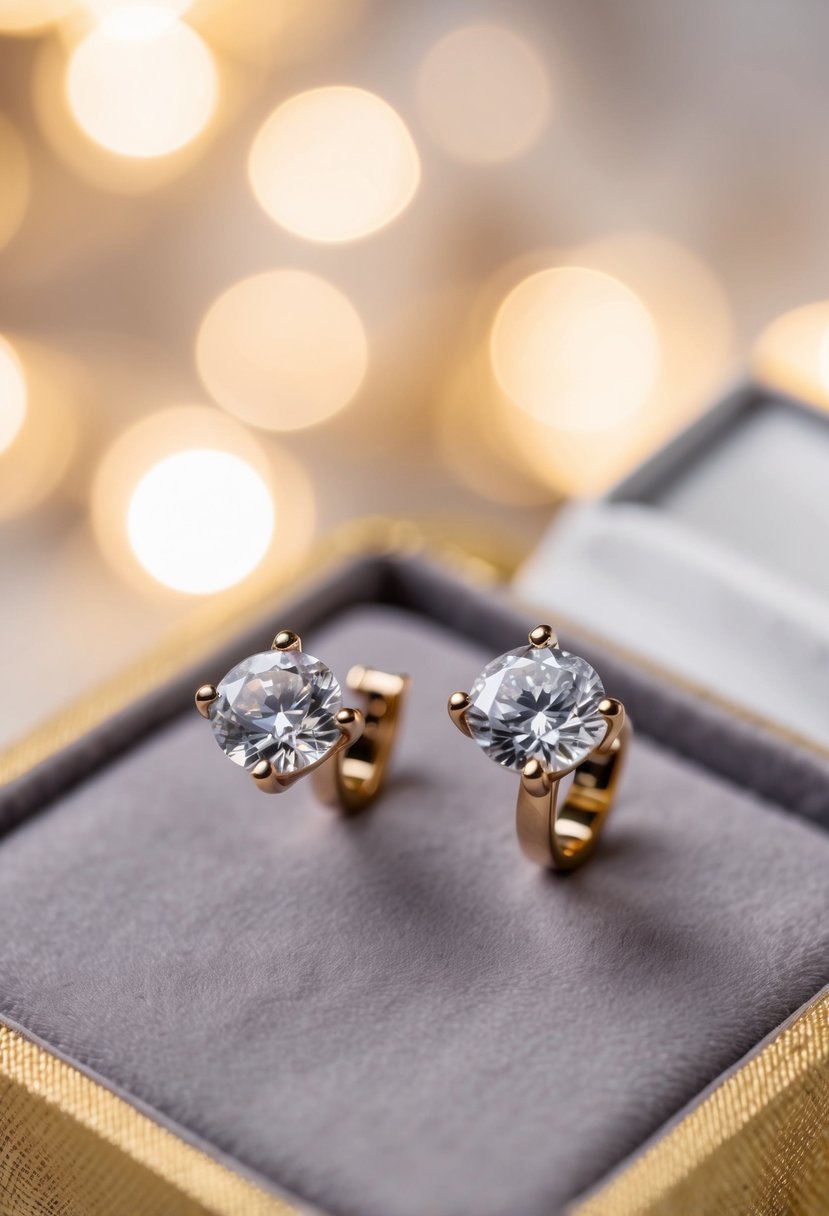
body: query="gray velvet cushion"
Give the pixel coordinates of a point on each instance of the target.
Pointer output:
(397, 1015)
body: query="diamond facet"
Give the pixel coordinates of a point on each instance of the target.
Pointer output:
(537, 703)
(278, 706)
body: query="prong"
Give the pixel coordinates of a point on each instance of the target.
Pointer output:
(352, 723)
(263, 775)
(535, 780)
(206, 694)
(458, 706)
(613, 712)
(542, 636)
(267, 779)
(286, 639)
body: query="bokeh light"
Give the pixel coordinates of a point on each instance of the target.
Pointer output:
(31, 16)
(220, 528)
(38, 424)
(792, 353)
(575, 348)
(13, 395)
(688, 313)
(142, 83)
(200, 520)
(484, 94)
(14, 195)
(334, 164)
(687, 302)
(477, 440)
(100, 9)
(273, 33)
(282, 350)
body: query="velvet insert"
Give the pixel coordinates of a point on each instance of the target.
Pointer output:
(397, 1015)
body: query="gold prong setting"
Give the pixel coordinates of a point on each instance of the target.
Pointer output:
(459, 704)
(302, 734)
(351, 724)
(535, 702)
(535, 779)
(543, 712)
(206, 694)
(613, 712)
(286, 639)
(542, 636)
(345, 748)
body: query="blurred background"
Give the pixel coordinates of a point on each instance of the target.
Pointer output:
(269, 266)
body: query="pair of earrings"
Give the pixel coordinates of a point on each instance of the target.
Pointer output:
(538, 710)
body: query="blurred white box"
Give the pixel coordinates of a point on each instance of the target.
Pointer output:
(712, 560)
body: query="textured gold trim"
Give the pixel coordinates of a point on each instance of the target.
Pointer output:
(758, 1145)
(70, 1147)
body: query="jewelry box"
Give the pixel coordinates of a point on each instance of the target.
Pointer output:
(216, 1002)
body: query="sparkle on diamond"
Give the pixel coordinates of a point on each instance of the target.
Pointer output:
(280, 706)
(537, 703)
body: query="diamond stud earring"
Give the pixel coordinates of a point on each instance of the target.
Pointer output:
(280, 715)
(543, 712)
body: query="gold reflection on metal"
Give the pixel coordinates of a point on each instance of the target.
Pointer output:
(352, 772)
(206, 694)
(755, 1146)
(286, 639)
(267, 779)
(70, 1144)
(458, 707)
(541, 636)
(563, 838)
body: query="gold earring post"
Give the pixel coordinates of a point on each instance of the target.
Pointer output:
(355, 775)
(350, 774)
(563, 838)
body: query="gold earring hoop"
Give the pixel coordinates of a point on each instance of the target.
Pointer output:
(279, 714)
(543, 712)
